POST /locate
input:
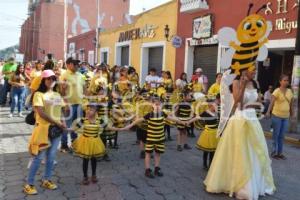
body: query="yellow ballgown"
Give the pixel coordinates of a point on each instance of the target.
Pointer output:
(241, 165)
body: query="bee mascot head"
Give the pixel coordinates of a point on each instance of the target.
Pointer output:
(246, 43)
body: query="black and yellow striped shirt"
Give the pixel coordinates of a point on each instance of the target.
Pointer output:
(155, 127)
(90, 129)
(184, 111)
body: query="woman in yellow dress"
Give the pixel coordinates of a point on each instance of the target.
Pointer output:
(241, 164)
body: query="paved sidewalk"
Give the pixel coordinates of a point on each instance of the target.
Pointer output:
(123, 177)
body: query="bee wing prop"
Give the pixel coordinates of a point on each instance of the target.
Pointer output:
(227, 100)
(263, 53)
(227, 35)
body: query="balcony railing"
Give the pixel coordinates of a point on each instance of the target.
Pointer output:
(191, 6)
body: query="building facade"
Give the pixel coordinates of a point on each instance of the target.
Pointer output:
(201, 48)
(43, 32)
(145, 43)
(83, 23)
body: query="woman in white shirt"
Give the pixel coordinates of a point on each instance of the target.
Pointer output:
(182, 81)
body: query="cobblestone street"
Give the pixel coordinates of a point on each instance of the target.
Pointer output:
(123, 177)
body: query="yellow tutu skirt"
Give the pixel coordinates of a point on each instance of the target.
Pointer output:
(88, 147)
(208, 140)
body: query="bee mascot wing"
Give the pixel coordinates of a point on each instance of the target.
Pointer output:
(225, 36)
(227, 101)
(263, 50)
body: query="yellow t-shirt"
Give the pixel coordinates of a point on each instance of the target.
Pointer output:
(74, 89)
(35, 73)
(35, 83)
(214, 89)
(282, 103)
(197, 87)
(52, 102)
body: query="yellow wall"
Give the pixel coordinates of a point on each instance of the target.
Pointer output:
(160, 16)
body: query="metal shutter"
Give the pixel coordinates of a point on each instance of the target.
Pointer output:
(206, 58)
(156, 58)
(125, 55)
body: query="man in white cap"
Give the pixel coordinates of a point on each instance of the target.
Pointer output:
(202, 79)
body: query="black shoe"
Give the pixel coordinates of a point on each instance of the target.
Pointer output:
(142, 155)
(157, 172)
(64, 149)
(148, 173)
(106, 158)
(187, 147)
(179, 148)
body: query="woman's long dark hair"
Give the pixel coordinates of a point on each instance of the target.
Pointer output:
(18, 72)
(181, 77)
(43, 88)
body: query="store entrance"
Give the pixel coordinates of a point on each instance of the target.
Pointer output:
(281, 62)
(156, 59)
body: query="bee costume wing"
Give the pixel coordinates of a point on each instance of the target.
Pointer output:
(227, 100)
(225, 36)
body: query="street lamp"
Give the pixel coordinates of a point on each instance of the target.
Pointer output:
(167, 32)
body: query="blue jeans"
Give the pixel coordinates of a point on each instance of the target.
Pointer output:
(6, 89)
(75, 112)
(18, 95)
(280, 126)
(50, 155)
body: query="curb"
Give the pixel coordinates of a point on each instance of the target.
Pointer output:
(288, 140)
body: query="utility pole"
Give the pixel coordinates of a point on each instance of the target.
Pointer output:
(296, 79)
(65, 29)
(97, 32)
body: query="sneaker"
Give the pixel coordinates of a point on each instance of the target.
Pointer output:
(148, 173)
(20, 115)
(94, 179)
(157, 172)
(48, 185)
(179, 148)
(187, 147)
(29, 189)
(281, 156)
(10, 115)
(85, 181)
(142, 155)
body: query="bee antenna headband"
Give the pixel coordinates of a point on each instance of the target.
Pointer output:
(249, 9)
(261, 8)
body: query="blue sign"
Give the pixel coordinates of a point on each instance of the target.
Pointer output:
(176, 41)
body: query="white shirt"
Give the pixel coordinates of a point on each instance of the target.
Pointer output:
(267, 96)
(152, 80)
(180, 83)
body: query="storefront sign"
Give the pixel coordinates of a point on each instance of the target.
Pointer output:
(148, 31)
(207, 41)
(176, 41)
(282, 7)
(202, 27)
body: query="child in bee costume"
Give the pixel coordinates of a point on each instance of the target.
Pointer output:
(241, 166)
(184, 112)
(88, 145)
(208, 140)
(155, 135)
